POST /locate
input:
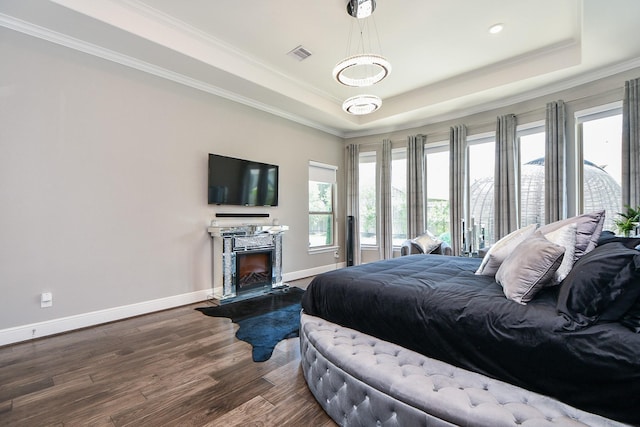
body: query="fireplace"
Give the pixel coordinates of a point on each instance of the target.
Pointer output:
(247, 260)
(253, 270)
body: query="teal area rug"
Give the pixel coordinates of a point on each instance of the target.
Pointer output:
(264, 321)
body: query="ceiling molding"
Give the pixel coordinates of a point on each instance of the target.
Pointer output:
(134, 63)
(155, 42)
(194, 36)
(194, 32)
(547, 90)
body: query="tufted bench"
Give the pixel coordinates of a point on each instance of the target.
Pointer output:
(360, 380)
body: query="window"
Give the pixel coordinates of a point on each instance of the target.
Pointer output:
(531, 143)
(322, 184)
(600, 161)
(481, 171)
(399, 195)
(437, 190)
(368, 200)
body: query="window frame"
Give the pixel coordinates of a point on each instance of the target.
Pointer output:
(399, 153)
(477, 139)
(436, 147)
(320, 173)
(372, 152)
(580, 117)
(523, 130)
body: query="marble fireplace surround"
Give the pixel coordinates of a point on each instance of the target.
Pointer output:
(231, 238)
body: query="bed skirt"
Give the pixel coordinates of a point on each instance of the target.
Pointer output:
(360, 380)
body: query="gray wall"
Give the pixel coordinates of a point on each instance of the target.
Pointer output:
(103, 175)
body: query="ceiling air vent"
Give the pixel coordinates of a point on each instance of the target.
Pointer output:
(299, 53)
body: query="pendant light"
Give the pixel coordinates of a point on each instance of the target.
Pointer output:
(360, 68)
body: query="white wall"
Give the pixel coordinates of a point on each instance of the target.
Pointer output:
(103, 173)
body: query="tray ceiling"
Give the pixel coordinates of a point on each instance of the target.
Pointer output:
(445, 62)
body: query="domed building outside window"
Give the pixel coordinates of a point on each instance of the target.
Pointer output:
(601, 191)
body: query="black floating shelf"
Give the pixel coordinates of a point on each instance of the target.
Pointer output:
(242, 215)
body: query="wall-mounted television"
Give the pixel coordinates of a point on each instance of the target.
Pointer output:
(242, 182)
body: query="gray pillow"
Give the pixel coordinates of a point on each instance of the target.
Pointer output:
(588, 229)
(499, 251)
(529, 267)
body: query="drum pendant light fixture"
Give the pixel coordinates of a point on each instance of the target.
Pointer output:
(361, 104)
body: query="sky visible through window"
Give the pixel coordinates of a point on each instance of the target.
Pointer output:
(602, 144)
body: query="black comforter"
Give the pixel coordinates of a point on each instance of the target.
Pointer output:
(437, 306)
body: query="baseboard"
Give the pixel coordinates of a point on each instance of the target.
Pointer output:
(66, 324)
(301, 274)
(84, 320)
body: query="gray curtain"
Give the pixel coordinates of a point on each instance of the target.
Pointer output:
(555, 182)
(631, 144)
(457, 184)
(415, 180)
(352, 166)
(386, 219)
(506, 178)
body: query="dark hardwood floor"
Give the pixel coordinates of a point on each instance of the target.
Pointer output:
(171, 368)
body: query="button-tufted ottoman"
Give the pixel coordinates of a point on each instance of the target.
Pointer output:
(360, 380)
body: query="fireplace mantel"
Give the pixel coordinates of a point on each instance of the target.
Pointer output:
(220, 230)
(232, 241)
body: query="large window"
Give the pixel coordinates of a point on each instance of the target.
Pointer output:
(600, 163)
(322, 184)
(481, 171)
(437, 190)
(399, 195)
(368, 200)
(369, 196)
(531, 143)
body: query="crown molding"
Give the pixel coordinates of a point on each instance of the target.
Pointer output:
(171, 23)
(55, 37)
(131, 62)
(585, 78)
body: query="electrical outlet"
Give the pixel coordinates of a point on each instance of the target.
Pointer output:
(46, 299)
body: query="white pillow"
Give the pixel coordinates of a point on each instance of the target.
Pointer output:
(500, 250)
(564, 236)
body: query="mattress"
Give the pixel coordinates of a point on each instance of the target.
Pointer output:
(437, 306)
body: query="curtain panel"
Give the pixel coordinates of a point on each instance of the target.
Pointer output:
(386, 218)
(506, 216)
(352, 166)
(555, 183)
(457, 185)
(631, 144)
(415, 180)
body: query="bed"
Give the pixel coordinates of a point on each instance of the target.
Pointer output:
(575, 344)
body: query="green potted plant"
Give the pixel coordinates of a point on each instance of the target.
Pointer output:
(628, 220)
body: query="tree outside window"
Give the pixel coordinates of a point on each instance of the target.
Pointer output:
(437, 185)
(320, 214)
(368, 199)
(322, 182)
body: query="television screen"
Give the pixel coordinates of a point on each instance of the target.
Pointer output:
(242, 182)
